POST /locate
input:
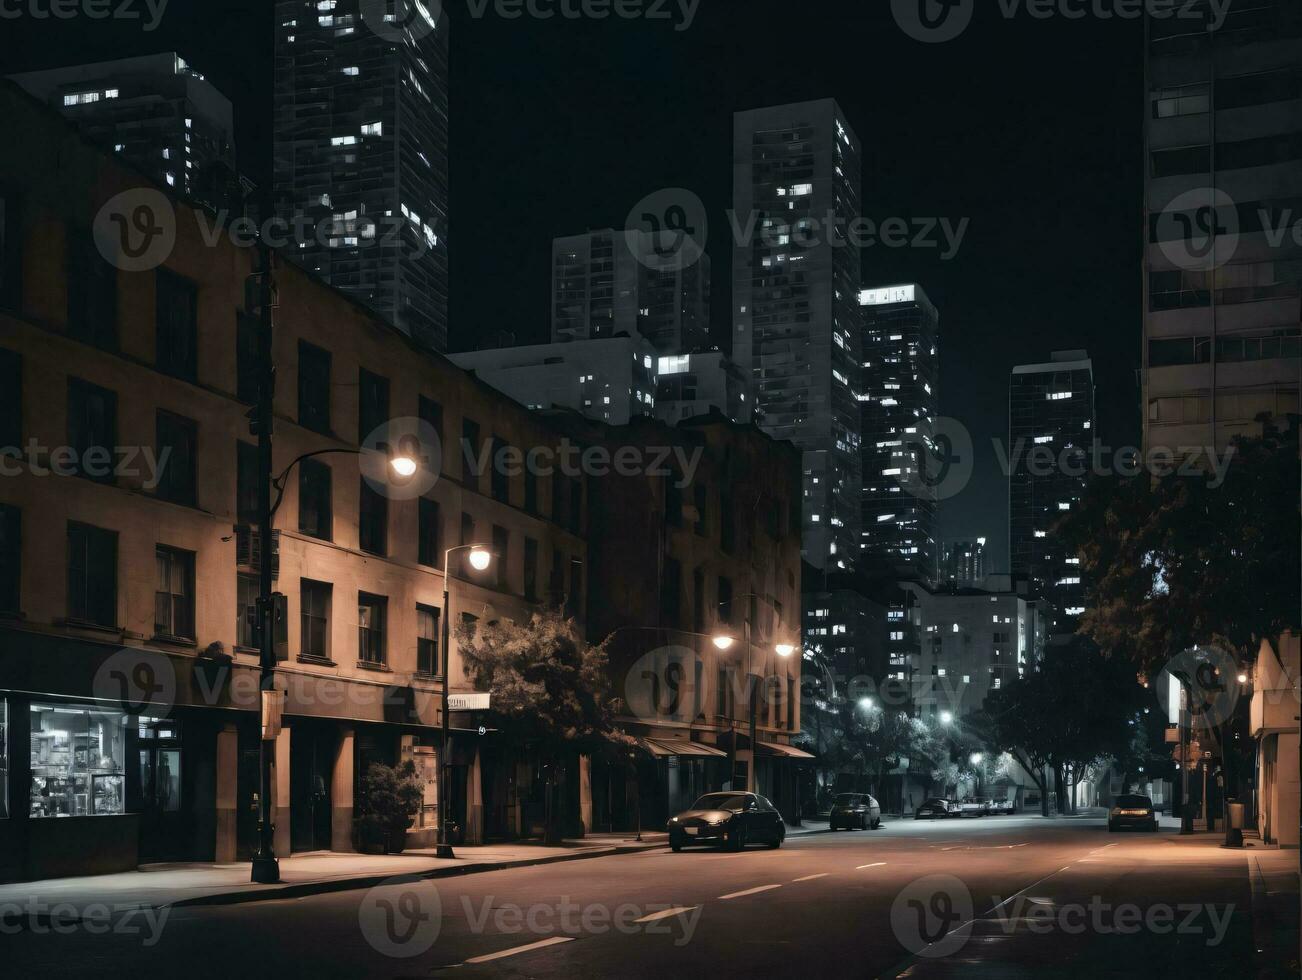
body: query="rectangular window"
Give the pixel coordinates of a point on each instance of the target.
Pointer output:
(501, 483)
(373, 520)
(727, 522)
(316, 499)
(725, 600)
(429, 546)
(530, 569)
(670, 589)
(179, 438)
(470, 450)
(246, 483)
(92, 575)
(700, 498)
(501, 554)
(92, 292)
(11, 400)
(176, 330)
(427, 640)
(370, 629)
(11, 252)
(174, 593)
(558, 496)
(431, 413)
(92, 430)
(246, 612)
(673, 501)
(78, 761)
(248, 359)
(314, 620)
(530, 490)
(556, 580)
(698, 600)
(313, 387)
(11, 554)
(372, 403)
(574, 601)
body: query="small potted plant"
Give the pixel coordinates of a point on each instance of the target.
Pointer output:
(390, 795)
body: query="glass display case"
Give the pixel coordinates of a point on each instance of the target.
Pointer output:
(78, 761)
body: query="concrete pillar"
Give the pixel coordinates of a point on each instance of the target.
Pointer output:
(342, 786)
(280, 798)
(227, 779)
(585, 792)
(475, 802)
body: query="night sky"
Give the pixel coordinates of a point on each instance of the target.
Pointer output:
(1029, 128)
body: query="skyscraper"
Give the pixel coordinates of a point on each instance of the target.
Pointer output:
(361, 153)
(156, 112)
(899, 404)
(1222, 249)
(963, 562)
(795, 278)
(1051, 430)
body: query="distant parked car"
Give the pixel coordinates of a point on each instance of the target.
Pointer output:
(729, 819)
(1004, 806)
(975, 807)
(1132, 810)
(855, 811)
(936, 808)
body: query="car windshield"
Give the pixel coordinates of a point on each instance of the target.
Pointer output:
(845, 799)
(1136, 801)
(720, 801)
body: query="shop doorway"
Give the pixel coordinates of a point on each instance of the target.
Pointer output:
(311, 766)
(162, 802)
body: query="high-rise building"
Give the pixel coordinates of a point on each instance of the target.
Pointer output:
(689, 385)
(963, 562)
(608, 282)
(361, 153)
(795, 308)
(156, 112)
(1222, 250)
(899, 405)
(1050, 432)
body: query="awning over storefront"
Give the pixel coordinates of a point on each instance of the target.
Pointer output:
(785, 751)
(664, 747)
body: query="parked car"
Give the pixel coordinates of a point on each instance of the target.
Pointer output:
(974, 807)
(732, 820)
(1132, 810)
(936, 808)
(1004, 806)
(855, 811)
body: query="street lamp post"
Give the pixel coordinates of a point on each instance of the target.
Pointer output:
(480, 559)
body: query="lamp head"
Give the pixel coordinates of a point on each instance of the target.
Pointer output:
(480, 559)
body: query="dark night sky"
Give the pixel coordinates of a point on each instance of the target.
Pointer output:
(1031, 129)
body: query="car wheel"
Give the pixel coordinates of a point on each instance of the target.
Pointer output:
(675, 846)
(833, 827)
(777, 841)
(877, 822)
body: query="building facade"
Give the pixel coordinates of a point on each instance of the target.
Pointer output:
(1223, 150)
(128, 671)
(689, 385)
(962, 562)
(1050, 436)
(796, 318)
(361, 154)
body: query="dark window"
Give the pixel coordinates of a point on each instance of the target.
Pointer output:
(176, 330)
(576, 505)
(673, 501)
(11, 554)
(700, 493)
(174, 593)
(470, 450)
(501, 550)
(530, 490)
(372, 403)
(92, 292)
(530, 569)
(429, 551)
(670, 589)
(467, 529)
(727, 523)
(370, 628)
(313, 387)
(11, 252)
(92, 575)
(725, 600)
(556, 580)
(248, 359)
(574, 601)
(246, 483)
(1183, 350)
(373, 520)
(427, 640)
(178, 437)
(11, 400)
(558, 496)
(500, 481)
(246, 612)
(698, 600)
(316, 499)
(431, 413)
(314, 619)
(92, 429)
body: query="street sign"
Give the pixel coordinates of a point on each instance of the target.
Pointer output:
(468, 702)
(273, 708)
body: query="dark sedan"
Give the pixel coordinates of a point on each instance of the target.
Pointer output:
(1132, 810)
(855, 811)
(936, 808)
(732, 820)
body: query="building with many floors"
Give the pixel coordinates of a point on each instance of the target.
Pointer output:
(699, 383)
(962, 562)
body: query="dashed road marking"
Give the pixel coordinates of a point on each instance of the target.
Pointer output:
(554, 940)
(812, 877)
(748, 891)
(875, 864)
(666, 913)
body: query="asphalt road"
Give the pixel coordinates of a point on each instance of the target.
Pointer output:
(997, 896)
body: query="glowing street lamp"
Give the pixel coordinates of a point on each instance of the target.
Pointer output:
(946, 718)
(977, 758)
(785, 649)
(724, 642)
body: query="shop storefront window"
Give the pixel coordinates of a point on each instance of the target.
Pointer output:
(78, 761)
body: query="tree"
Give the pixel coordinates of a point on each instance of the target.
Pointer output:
(550, 690)
(389, 797)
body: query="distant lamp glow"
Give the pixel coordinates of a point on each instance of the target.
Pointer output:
(404, 466)
(1243, 678)
(724, 642)
(865, 703)
(946, 717)
(480, 559)
(977, 758)
(785, 649)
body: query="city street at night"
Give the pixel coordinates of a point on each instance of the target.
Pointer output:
(1022, 894)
